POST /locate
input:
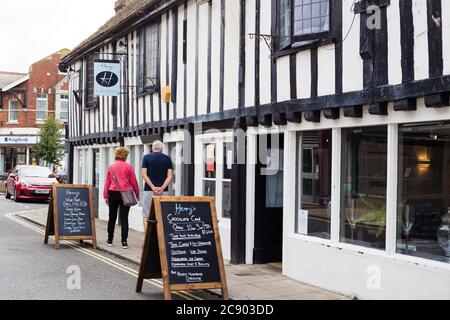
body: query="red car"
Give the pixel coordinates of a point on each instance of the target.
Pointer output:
(30, 183)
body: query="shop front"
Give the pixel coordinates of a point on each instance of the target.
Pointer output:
(15, 150)
(368, 215)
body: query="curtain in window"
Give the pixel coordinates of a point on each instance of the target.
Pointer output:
(13, 110)
(41, 107)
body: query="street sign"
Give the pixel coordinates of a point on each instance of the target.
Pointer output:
(18, 140)
(107, 78)
(182, 246)
(71, 214)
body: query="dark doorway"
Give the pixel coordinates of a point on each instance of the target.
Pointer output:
(96, 181)
(269, 199)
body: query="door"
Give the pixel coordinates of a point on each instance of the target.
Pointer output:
(96, 180)
(269, 199)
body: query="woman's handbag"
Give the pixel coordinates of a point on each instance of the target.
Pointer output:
(128, 197)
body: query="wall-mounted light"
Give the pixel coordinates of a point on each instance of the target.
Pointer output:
(424, 164)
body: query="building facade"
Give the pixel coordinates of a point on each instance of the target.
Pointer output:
(321, 127)
(26, 101)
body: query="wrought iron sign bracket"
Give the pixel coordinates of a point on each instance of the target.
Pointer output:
(268, 39)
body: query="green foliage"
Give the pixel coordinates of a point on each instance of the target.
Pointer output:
(375, 215)
(378, 216)
(50, 147)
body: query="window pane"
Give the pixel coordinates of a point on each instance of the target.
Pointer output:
(424, 191)
(314, 216)
(311, 16)
(227, 160)
(210, 161)
(284, 33)
(64, 103)
(364, 172)
(13, 110)
(41, 106)
(209, 189)
(151, 54)
(226, 200)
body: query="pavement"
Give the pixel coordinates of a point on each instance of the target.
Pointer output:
(245, 282)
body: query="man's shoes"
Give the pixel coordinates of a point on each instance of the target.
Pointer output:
(109, 243)
(124, 245)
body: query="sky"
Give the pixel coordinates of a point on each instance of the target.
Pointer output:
(33, 29)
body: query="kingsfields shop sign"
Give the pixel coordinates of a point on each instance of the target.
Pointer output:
(18, 140)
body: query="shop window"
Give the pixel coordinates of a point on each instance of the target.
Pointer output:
(210, 170)
(302, 21)
(314, 184)
(41, 107)
(364, 183)
(424, 191)
(13, 116)
(226, 182)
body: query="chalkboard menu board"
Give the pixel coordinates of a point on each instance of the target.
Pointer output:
(188, 239)
(71, 214)
(191, 243)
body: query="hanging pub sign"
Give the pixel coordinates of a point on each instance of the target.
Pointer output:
(107, 78)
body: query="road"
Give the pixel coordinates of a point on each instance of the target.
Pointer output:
(31, 270)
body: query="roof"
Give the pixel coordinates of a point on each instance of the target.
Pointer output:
(15, 83)
(7, 78)
(133, 10)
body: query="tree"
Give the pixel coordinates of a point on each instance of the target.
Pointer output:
(50, 148)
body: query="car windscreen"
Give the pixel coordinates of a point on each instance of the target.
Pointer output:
(35, 172)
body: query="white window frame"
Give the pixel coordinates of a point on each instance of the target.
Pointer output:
(10, 111)
(61, 100)
(39, 98)
(219, 139)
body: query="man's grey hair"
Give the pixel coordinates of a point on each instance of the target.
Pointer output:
(157, 145)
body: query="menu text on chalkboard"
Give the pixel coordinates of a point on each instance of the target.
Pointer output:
(188, 239)
(70, 214)
(189, 234)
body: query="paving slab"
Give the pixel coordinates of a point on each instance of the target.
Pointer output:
(245, 282)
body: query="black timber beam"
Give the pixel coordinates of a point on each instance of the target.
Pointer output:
(353, 112)
(379, 109)
(332, 114)
(312, 116)
(438, 100)
(294, 117)
(405, 105)
(279, 119)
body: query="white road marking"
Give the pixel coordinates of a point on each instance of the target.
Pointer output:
(128, 270)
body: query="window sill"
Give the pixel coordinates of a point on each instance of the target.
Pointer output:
(317, 44)
(12, 122)
(351, 248)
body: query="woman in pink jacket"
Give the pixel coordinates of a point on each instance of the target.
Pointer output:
(120, 176)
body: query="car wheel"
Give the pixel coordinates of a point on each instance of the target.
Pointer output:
(15, 196)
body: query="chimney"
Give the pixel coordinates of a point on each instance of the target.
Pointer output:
(119, 5)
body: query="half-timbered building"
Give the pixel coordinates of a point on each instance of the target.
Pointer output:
(344, 107)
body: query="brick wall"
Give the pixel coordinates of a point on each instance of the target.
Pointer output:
(44, 76)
